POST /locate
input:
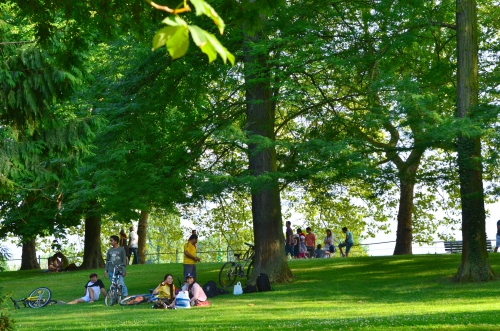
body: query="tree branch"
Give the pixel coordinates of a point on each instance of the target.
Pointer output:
(168, 9)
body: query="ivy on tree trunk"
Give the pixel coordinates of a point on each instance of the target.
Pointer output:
(475, 264)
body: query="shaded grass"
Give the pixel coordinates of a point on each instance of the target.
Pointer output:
(363, 293)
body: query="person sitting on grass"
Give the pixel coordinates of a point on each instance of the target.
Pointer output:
(348, 243)
(166, 293)
(196, 294)
(92, 289)
(320, 252)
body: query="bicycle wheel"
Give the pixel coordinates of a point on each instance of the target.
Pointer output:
(41, 297)
(119, 294)
(111, 296)
(250, 270)
(227, 274)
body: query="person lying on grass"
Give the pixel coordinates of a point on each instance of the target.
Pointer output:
(166, 293)
(196, 294)
(92, 289)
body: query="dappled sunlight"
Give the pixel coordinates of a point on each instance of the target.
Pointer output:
(365, 293)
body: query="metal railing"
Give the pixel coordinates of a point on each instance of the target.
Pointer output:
(373, 249)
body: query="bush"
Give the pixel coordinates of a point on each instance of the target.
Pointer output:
(6, 323)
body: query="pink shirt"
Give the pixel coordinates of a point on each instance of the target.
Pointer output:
(196, 291)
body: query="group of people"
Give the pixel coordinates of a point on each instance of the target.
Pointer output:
(300, 245)
(130, 244)
(116, 257)
(57, 262)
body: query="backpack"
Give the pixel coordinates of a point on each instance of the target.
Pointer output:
(263, 283)
(221, 291)
(210, 289)
(250, 289)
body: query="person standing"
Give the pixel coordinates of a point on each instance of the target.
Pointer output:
(310, 241)
(93, 288)
(123, 242)
(328, 242)
(289, 240)
(296, 243)
(133, 245)
(498, 236)
(116, 257)
(190, 257)
(302, 246)
(194, 232)
(348, 243)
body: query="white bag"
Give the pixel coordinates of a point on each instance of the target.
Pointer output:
(182, 300)
(238, 290)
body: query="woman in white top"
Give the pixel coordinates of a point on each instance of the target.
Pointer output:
(328, 241)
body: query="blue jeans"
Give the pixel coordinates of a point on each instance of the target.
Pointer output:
(347, 246)
(190, 269)
(133, 250)
(121, 282)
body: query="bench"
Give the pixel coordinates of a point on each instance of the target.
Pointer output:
(456, 246)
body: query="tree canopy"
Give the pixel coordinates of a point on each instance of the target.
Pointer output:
(347, 114)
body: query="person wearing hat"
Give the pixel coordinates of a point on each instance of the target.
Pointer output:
(92, 290)
(196, 294)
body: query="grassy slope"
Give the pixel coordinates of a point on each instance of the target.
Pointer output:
(364, 293)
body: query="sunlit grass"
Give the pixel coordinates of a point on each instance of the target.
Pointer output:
(364, 293)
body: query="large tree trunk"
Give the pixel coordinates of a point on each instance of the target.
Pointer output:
(475, 264)
(404, 234)
(92, 254)
(407, 173)
(266, 206)
(142, 229)
(28, 257)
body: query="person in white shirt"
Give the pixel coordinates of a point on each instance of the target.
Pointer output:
(133, 245)
(93, 288)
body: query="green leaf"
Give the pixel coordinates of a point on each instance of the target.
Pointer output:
(209, 44)
(178, 43)
(176, 21)
(162, 36)
(223, 52)
(203, 8)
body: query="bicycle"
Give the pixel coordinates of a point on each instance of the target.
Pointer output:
(114, 294)
(231, 269)
(133, 300)
(38, 298)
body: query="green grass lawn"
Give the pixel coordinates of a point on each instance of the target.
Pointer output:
(362, 293)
